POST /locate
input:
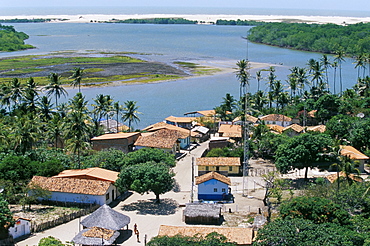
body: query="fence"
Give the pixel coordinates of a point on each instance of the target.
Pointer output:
(37, 227)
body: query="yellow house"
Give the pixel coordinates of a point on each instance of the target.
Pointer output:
(222, 165)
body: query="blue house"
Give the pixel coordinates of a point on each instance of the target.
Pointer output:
(213, 186)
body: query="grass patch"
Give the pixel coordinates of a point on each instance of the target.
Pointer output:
(47, 61)
(21, 71)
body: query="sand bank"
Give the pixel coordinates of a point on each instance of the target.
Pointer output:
(203, 18)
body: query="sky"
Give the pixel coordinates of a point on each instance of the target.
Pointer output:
(356, 5)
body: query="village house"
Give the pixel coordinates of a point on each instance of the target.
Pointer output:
(213, 186)
(231, 131)
(293, 130)
(73, 190)
(21, 227)
(248, 118)
(92, 185)
(186, 134)
(201, 113)
(121, 141)
(184, 122)
(276, 119)
(223, 165)
(355, 155)
(238, 235)
(203, 213)
(318, 128)
(164, 139)
(200, 134)
(277, 129)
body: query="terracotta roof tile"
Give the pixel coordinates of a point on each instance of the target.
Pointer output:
(212, 175)
(119, 135)
(233, 131)
(164, 139)
(93, 172)
(162, 125)
(275, 117)
(275, 128)
(72, 185)
(294, 127)
(240, 235)
(352, 153)
(218, 161)
(319, 128)
(181, 119)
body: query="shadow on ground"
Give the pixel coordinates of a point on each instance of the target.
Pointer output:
(124, 236)
(176, 187)
(167, 206)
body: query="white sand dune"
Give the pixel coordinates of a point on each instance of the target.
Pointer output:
(207, 19)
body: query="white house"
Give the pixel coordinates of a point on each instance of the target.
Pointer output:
(277, 119)
(213, 186)
(21, 227)
(78, 190)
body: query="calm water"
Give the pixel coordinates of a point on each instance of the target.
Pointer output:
(168, 43)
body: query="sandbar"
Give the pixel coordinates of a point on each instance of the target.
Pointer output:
(206, 19)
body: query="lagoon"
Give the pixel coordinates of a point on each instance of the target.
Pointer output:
(219, 45)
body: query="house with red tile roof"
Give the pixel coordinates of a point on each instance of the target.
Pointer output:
(95, 173)
(213, 186)
(223, 165)
(277, 119)
(121, 141)
(355, 155)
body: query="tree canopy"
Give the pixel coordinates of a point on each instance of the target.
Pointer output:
(148, 154)
(6, 218)
(146, 177)
(302, 151)
(11, 40)
(212, 239)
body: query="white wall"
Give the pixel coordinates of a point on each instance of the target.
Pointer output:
(18, 230)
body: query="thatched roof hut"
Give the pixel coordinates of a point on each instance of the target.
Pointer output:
(96, 236)
(203, 213)
(107, 218)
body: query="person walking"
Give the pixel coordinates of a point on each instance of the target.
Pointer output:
(137, 235)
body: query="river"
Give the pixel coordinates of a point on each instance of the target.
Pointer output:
(168, 43)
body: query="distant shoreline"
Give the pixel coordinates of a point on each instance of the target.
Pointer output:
(206, 19)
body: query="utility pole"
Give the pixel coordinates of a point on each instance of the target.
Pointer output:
(192, 180)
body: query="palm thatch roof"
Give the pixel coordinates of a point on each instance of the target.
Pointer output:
(203, 210)
(96, 236)
(107, 218)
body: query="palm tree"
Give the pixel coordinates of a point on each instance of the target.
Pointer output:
(31, 94)
(339, 58)
(243, 76)
(347, 166)
(5, 97)
(55, 87)
(334, 65)
(77, 126)
(130, 113)
(293, 81)
(302, 79)
(44, 109)
(228, 103)
(117, 108)
(325, 63)
(259, 78)
(16, 91)
(317, 71)
(77, 77)
(360, 63)
(260, 100)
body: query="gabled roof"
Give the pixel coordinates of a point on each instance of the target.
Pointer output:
(218, 161)
(233, 131)
(162, 125)
(275, 128)
(181, 119)
(72, 185)
(275, 117)
(319, 128)
(163, 139)
(352, 153)
(107, 218)
(120, 135)
(201, 129)
(239, 235)
(334, 176)
(208, 113)
(248, 117)
(294, 127)
(212, 175)
(93, 172)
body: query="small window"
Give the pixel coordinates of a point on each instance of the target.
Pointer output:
(230, 169)
(217, 168)
(107, 196)
(207, 168)
(215, 190)
(223, 190)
